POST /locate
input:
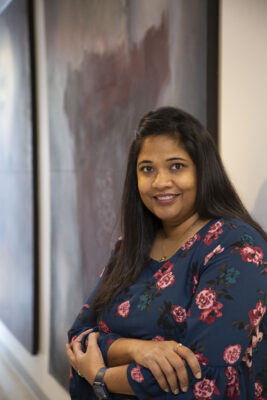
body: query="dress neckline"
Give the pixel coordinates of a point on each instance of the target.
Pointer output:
(207, 225)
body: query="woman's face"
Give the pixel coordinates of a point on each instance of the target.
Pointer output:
(167, 180)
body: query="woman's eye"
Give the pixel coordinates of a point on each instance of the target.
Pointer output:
(146, 168)
(177, 166)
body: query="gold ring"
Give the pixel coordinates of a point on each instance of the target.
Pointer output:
(179, 345)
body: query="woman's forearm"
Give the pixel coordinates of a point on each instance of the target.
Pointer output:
(116, 380)
(121, 351)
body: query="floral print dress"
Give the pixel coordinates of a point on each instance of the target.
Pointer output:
(210, 295)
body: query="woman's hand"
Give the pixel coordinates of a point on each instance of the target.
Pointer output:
(86, 364)
(166, 361)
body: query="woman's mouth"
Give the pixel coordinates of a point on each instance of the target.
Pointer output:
(165, 198)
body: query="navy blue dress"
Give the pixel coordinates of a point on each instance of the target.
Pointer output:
(211, 296)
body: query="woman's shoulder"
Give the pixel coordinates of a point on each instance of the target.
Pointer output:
(240, 230)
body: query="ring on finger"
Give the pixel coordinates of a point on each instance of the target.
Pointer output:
(179, 345)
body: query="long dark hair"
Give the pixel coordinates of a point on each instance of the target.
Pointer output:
(216, 197)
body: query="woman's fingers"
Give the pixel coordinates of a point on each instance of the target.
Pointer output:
(159, 376)
(70, 355)
(180, 370)
(191, 360)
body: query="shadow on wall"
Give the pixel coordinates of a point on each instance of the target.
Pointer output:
(260, 207)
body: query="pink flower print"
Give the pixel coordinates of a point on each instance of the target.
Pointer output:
(158, 338)
(219, 249)
(256, 337)
(178, 313)
(210, 314)
(205, 299)
(136, 374)
(214, 232)
(103, 327)
(232, 391)
(201, 359)
(195, 283)
(165, 269)
(232, 353)
(190, 242)
(256, 314)
(165, 281)
(247, 357)
(123, 309)
(258, 390)
(251, 254)
(203, 390)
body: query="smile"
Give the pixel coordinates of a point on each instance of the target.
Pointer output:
(165, 198)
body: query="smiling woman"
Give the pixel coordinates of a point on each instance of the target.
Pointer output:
(180, 309)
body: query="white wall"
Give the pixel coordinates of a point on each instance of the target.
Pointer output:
(243, 144)
(243, 100)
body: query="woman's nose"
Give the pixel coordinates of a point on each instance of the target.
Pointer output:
(161, 180)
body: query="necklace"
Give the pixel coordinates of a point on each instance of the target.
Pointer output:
(186, 236)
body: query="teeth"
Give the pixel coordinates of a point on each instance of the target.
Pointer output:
(165, 197)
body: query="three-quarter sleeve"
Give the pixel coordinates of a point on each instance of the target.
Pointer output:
(86, 319)
(226, 322)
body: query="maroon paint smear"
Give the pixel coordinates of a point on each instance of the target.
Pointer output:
(103, 102)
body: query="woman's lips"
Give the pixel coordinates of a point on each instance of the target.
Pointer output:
(165, 198)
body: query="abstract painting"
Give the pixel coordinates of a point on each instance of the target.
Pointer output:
(17, 243)
(109, 62)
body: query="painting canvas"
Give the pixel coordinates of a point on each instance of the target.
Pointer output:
(108, 62)
(17, 261)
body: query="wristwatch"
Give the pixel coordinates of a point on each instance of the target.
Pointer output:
(99, 386)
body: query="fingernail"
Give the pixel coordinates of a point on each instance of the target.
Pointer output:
(176, 391)
(198, 375)
(184, 389)
(166, 390)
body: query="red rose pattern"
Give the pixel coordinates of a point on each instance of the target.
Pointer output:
(214, 232)
(136, 374)
(103, 327)
(123, 309)
(195, 283)
(178, 313)
(251, 254)
(232, 391)
(219, 249)
(258, 390)
(190, 242)
(206, 298)
(165, 281)
(206, 301)
(158, 338)
(232, 353)
(203, 390)
(201, 359)
(247, 357)
(165, 269)
(256, 314)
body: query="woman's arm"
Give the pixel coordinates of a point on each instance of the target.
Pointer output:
(165, 360)
(89, 363)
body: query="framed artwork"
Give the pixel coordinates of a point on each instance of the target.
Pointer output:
(109, 62)
(18, 213)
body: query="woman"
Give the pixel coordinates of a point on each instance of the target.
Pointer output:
(180, 311)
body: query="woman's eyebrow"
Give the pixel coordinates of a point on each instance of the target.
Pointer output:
(168, 159)
(144, 162)
(176, 159)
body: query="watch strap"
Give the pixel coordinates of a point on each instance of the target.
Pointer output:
(100, 375)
